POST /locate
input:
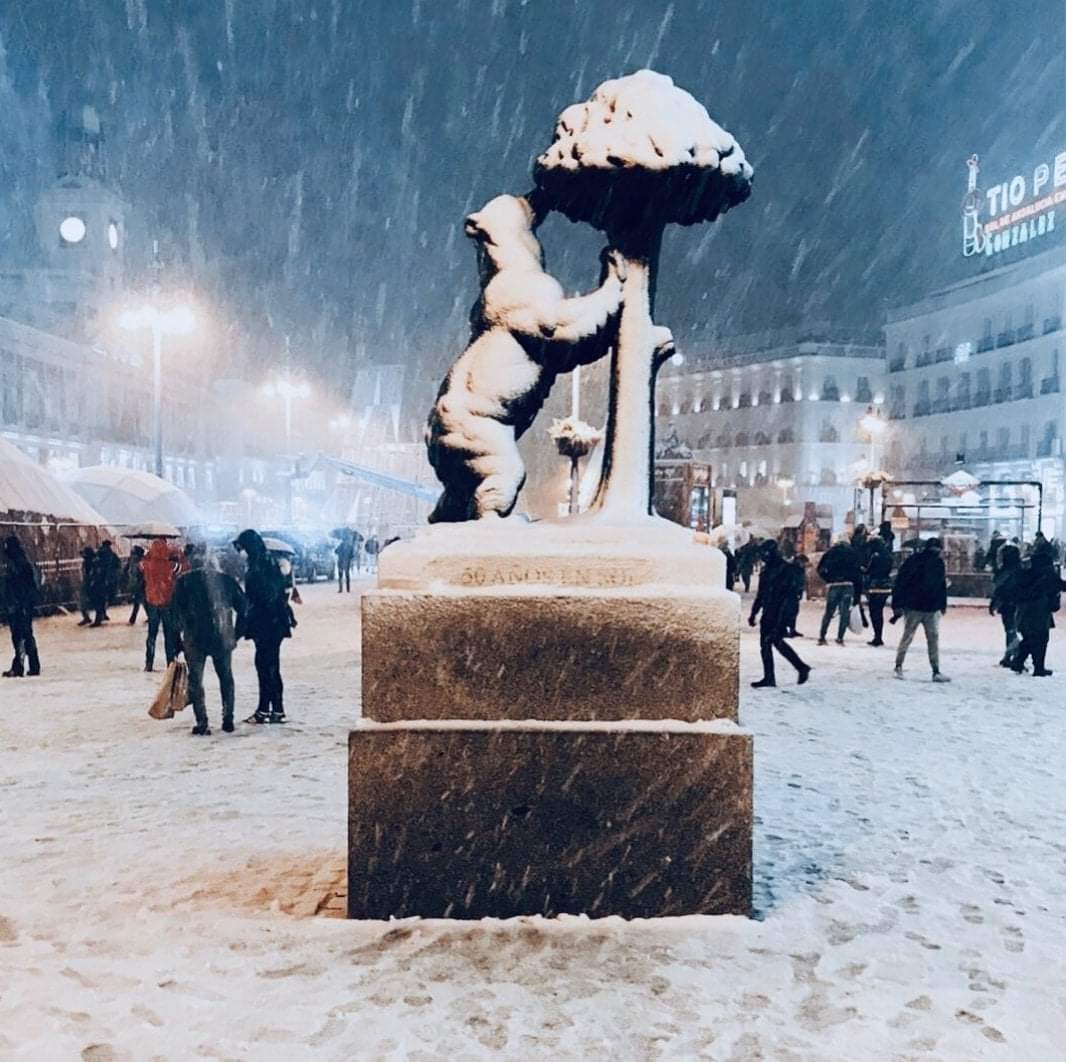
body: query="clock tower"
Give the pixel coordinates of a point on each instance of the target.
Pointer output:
(81, 226)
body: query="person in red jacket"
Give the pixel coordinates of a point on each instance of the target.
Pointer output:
(160, 566)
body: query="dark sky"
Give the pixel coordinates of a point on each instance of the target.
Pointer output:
(310, 161)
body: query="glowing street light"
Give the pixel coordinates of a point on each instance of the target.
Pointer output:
(172, 320)
(873, 425)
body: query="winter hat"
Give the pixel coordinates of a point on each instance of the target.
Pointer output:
(933, 543)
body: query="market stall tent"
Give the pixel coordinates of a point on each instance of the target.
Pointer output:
(127, 496)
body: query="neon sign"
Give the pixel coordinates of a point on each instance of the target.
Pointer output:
(1017, 211)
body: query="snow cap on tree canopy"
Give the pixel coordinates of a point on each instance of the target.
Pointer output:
(642, 150)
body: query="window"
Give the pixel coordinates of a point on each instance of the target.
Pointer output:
(962, 391)
(764, 398)
(899, 362)
(744, 402)
(786, 394)
(1049, 385)
(742, 440)
(943, 395)
(828, 478)
(987, 341)
(897, 402)
(830, 391)
(786, 435)
(1002, 440)
(1003, 389)
(1025, 379)
(1025, 440)
(1047, 446)
(862, 390)
(984, 388)
(723, 442)
(828, 433)
(762, 439)
(983, 446)
(923, 403)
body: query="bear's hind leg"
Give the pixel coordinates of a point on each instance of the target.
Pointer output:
(503, 474)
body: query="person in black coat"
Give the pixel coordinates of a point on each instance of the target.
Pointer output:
(345, 555)
(1039, 586)
(730, 566)
(746, 556)
(85, 602)
(921, 595)
(1004, 601)
(268, 622)
(209, 608)
(841, 572)
(797, 587)
(878, 579)
(776, 590)
(22, 595)
(103, 581)
(135, 583)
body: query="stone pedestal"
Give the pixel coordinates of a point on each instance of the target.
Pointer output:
(472, 820)
(534, 736)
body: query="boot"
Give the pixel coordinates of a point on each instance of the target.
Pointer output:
(764, 684)
(34, 661)
(201, 729)
(803, 674)
(15, 671)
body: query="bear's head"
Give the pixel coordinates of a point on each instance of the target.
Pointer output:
(503, 228)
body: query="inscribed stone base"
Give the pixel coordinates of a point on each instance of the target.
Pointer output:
(533, 652)
(469, 820)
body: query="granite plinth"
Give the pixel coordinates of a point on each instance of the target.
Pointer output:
(534, 652)
(469, 820)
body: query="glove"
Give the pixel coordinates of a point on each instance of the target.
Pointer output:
(751, 621)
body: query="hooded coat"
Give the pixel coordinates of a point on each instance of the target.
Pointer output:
(160, 568)
(268, 614)
(21, 584)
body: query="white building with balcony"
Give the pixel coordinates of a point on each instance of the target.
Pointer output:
(779, 417)
(974, 380)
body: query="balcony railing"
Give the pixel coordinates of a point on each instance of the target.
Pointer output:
(982, 398)
(1052, 324)
(1023, 390)
(1001, 394)
(1026, 332)
(897, 365)
(942, 405)
(923, 359)
(944, 354)
(1049, 385)
(921, 409)
(962, 402)
(1005, 339)
(985, 344)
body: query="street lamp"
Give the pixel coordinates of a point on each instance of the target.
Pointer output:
(176, 321)
(289, 390)
(873, 425)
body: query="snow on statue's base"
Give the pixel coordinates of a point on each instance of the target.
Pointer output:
(639, 819)
(550, 727)
(504, 620)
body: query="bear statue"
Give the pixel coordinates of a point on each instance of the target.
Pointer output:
(524, 334)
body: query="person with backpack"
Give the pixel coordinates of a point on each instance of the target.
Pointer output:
(161, 567)
(841, 572)
(1004, 600)
(23, 591)
(1039, 587)
(776, 590)
(921, 595)
(878, 579)
(268, 622)
(209, 610)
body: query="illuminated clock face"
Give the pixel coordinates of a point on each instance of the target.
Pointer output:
(72, 229)
(112, 236)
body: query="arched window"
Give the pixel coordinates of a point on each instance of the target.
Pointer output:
(830, 391)
(786, 435)
(765, 398)
(762, 439)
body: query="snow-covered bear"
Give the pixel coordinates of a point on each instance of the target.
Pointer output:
(524, 333)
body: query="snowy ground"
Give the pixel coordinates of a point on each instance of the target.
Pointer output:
(157, 890)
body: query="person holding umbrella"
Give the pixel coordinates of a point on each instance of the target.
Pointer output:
(268, 622)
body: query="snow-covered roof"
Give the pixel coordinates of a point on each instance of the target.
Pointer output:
(26, 487)
(129, 496)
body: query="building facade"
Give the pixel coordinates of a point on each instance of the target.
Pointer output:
(780, 419)
(974, 381)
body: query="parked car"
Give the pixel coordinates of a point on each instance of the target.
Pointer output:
(313, 558)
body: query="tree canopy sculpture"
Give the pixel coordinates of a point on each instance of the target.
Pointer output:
(639, 155)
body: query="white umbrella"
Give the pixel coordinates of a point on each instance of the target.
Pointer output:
(724, 534)
(277, 545)
(961, 481)
(152, 529)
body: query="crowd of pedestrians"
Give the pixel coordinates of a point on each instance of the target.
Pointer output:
(861, 583)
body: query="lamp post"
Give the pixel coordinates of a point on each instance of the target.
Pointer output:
(289, 389)
(873, 425)
(175, 321)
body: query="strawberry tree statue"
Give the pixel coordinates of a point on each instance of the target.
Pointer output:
(639, 155)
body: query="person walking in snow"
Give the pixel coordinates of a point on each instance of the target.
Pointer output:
(345, 555)
(370, 547)
(209, 610)
(22, 593)
(921, 595)
(746, 563)
(1004, 600)
(776, 590)
(85, 604)
(135, 582)
(104, 581)
(161, 567)
(878, 580)
(797, 586)
(841, 572)
(994, 545)
(268, 622)
(1039, 587)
